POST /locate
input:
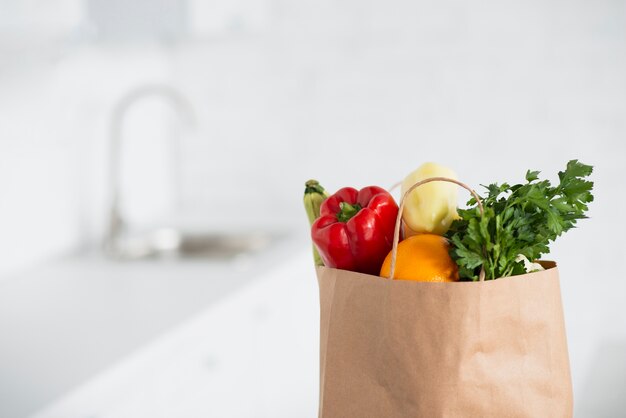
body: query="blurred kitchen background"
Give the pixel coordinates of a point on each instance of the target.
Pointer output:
(154, 257)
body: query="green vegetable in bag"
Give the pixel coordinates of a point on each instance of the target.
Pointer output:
(314, 195)
(519, 220)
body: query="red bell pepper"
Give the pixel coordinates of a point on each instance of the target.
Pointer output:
(355, 229)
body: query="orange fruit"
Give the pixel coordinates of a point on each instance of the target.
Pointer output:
(422, 258)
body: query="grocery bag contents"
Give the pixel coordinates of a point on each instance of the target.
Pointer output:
(422, 258)
(431, 207)
(503, 236)
(314, 195)
(355, 229)
(521, 219)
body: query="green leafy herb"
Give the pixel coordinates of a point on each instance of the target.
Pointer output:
(519, 219)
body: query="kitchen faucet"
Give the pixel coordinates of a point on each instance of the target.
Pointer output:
(162, 239)
(166, 240)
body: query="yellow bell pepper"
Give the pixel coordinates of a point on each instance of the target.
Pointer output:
(431, 207)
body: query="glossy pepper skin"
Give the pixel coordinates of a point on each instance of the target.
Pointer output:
(355, 229)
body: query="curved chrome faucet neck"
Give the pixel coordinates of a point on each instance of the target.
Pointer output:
(181, 105)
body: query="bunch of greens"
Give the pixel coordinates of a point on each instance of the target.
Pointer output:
(518, 219)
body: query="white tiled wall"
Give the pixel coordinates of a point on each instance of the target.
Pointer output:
(348, 92)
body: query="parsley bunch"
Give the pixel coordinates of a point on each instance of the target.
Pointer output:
(518, 219)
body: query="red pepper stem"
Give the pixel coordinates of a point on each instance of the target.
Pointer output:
(347, 211)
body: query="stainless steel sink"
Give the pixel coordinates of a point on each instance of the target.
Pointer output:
(171, 243)
(223, 246)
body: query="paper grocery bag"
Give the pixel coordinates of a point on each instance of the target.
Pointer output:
(395, 348)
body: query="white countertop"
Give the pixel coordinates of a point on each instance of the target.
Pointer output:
(66, 321)
(252, 354)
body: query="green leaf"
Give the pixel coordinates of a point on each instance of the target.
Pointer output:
(532, 175)
(554, 221)
(562, 205)
(575, 169)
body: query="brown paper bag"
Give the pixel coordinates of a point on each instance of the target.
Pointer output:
(394, 348)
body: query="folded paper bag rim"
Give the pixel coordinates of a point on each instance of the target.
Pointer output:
(546, 264)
